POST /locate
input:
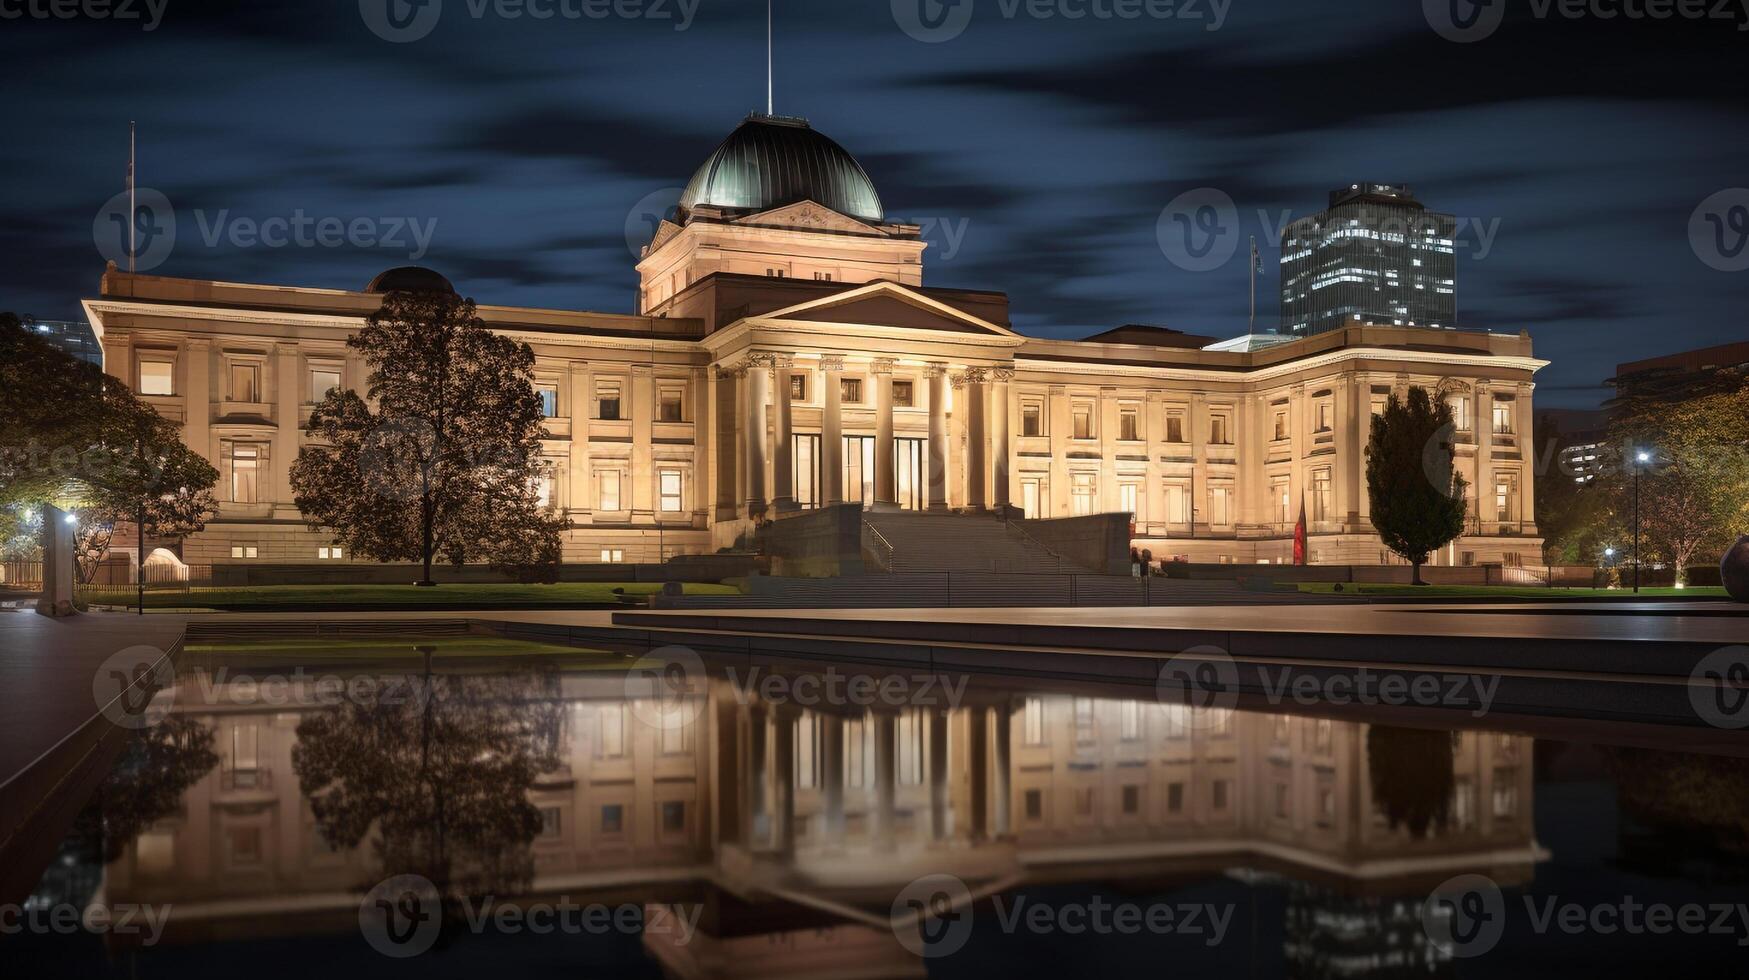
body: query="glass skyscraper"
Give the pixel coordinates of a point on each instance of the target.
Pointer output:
(1375, 255)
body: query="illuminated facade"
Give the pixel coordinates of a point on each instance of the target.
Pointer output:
(787, 355)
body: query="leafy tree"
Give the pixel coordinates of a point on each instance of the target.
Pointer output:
(76, 436)
(1694, 491)
(1577, 521)
(444, 460)
(1416, 496)
(1412, 776)
(156, 767)
(440, 769)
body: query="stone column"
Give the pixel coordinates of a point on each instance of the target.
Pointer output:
(783, 764)
(1002, 452)
(783, 478)
(937, 375)
(1528, 451)
(641, 407)
(289, 382)
(938, 788)
(886, 817)
(832, 776)
(197, 399)
(758, 384)
(977, 447)
(580, 500)
(886, 489)
(978, 764)
(758, 814)
(832, 428)
(1482, 491)
(1001, 751)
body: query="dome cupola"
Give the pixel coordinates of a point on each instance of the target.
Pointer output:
(772, 161)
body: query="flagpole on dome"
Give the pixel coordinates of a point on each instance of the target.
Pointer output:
(769, 102)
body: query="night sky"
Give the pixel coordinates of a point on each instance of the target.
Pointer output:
(1039, 152)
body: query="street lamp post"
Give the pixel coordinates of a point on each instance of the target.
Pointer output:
(1640, 460)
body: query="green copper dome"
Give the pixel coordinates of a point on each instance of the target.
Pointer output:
(772, 161)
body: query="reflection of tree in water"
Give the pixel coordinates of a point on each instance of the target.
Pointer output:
(1701, 801)
(155, 767)
(440, 767)
(1412, 776)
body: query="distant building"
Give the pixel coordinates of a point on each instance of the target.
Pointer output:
(77, 339)
(1674, 377)
(1579, 437)
(1375, 255)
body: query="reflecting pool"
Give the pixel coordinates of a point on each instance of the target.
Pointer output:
(447, 808)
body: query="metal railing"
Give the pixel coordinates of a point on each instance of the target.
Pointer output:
(24, 576)
(883, 551)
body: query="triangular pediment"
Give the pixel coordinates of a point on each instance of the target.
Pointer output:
(809, 216)
(886, 304)
(664, 231)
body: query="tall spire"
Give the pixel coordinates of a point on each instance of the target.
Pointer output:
(133, 228)
(768, 85)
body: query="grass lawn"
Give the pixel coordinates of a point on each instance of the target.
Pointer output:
(1509, 592)
(493, 595)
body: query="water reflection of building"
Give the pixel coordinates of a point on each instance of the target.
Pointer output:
(797, 827)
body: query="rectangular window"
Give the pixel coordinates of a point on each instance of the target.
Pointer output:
(805, 449)
(330, 552)
(322, 381)
(1082, 414)
(1031, 496)
(1083, 493)
(1131, 720)
(607, 490)
(670, 483)
(544, 485)
(1035, 805)
(1220, 431)
(1326, 415)
(671, 405)
(822, 277)
(1178, 503)
(1175, 798)
(246, 469)
(1460, 412)
(245, 551)
(1034, 724)
(1218, 793)
(1032, 418)
(613, 731)
(245, 382)
(607, 401)
(1502, 418)
(904, 394)
(1220, 506)
(1129, 428)
(1323, 498)
(550, 822)
(549, 401)
(1132, 800)
(612, 818)
(850, 390)
(673, 817)
(1129, 500)
(798, 387)
(157, 378)
(858, 469)
(1280, 501)
(1280, 426)
(613, 556)
(1175, 427)
(1506, 496)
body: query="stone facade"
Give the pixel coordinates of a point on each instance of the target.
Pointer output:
(790, 357)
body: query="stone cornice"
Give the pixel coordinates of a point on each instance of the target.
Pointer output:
(1248, 376)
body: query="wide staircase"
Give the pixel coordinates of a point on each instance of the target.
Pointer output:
(908, 541)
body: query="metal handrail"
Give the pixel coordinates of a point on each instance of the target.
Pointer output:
(1062, 563)
(881, 539)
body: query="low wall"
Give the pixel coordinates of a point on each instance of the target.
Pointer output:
(818, 543)
(688, 568)
(1579, 576)
(1098, 542)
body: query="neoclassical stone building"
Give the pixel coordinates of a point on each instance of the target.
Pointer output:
(786, 355)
